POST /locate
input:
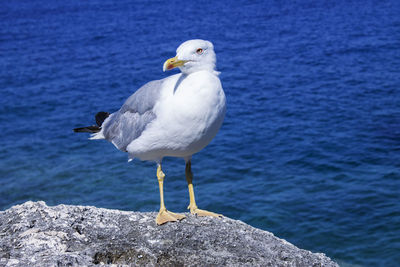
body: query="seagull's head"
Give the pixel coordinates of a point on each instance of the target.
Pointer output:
(192, 56)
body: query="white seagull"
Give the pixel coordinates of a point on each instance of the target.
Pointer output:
(173, 117)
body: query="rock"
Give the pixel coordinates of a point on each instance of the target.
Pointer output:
(33, 234)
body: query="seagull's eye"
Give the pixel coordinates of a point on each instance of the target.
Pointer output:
(199, 51)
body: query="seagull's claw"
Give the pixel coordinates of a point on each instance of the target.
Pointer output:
(165, 216)
(198, 212)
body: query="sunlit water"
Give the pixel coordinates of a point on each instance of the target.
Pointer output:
(309, 149)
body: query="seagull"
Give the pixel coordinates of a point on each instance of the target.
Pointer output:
(173, 117)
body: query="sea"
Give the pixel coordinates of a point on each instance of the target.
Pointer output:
(310, 145)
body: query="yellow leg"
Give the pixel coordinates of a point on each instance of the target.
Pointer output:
(192, 206)
(164, 215)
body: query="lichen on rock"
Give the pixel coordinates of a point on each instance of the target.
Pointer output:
(34, 234)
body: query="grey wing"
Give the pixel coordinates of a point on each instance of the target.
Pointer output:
(127, 124)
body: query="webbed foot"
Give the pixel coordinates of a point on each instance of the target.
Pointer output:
(198, 212)
(165, 216)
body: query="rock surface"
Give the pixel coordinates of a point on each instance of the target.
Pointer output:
(33, 234)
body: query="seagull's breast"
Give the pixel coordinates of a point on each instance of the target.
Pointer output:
(189, 115)
(198, 101)
(195, 110)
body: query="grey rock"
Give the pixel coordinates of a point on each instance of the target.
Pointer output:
(33, 234)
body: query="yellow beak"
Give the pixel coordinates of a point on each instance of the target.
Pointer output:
(173, 63)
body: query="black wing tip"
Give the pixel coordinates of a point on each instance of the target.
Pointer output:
(101, 117)
(88, 129)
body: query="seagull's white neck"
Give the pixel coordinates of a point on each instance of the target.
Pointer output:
(192, 67)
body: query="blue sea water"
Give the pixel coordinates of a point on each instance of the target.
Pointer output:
(310, 147)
